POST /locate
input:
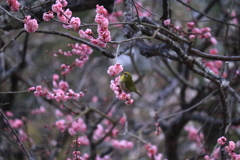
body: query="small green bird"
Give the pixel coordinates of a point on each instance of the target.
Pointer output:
(127, 84)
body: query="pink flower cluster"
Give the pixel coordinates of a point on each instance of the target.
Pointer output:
(16, 123)
(167, 22)
(83, 51)
(73, 126)
(30, 25)
(77, 126)
(123, 144)
(203, 32)
(47, 16)
(103, 32)
(60, 92)
(14, 5)
(120, 94)
(215, 66)
(115, 69)
(64, 16)
(152, 152)
(230, 146)
(83, 140)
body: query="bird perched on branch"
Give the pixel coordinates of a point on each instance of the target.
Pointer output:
(126, 83)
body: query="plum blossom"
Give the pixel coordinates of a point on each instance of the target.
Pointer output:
(103, 32)
(76, 126)
(75, 23)
(213, 51)
(151, 149)
(213, 40)
(167, 22)
(14, 5)
(59, 92)
(47, 16)
(57, 7)
(63, 2)
(222, 140)
(119, 92)
(61, 124)
(115, 69)
(190, 25)
(16, 123)
(123, 144)
(30, 25)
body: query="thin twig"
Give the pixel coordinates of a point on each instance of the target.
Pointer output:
(14, 132)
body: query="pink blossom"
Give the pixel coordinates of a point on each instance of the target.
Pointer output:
(71, 131)
(99, 42)
(103, 32)
(119, 92)
(94, 99)
(14, 5)
(47, 16)
(63, 2)
(167, 22)
(61, 124)
(31, 89)
(58, 113)
(30, 25)
(9, 114)
(16, 123)
(210, 64)
(230, 147)
(63, 85)
(122, 120)
(213, 51)
(206, 35)
(151, 149)
(115, 132)
(83, 140)
(99, 132)
(65, 16)
(190, 25)
(222, 140)
(196, 30)
(86, 34)
(123, 144)
(101, 10)
(215, 70)
(79, 125)
(218, 64)
(213, 40)
(57, 7)
(206, 29)
(22, 135)
(75, 22)
(158, 156)
(118, 1)
(192, 36)
(115, 69)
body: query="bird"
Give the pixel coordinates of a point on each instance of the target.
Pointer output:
(126, 83)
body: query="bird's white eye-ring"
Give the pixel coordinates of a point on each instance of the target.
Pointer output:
(126, 75)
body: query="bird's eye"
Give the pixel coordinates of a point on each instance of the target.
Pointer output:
(126, 75)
